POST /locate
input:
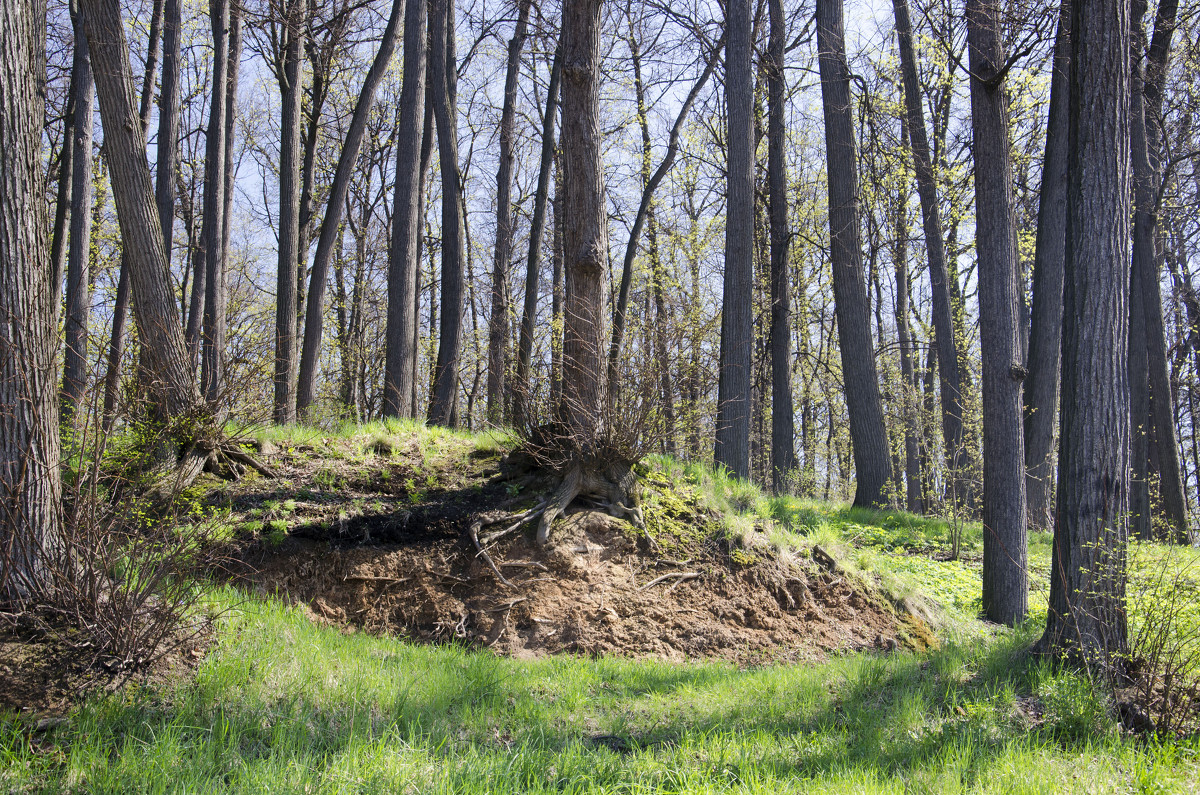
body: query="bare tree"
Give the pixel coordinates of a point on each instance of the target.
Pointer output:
(1087, 586)
(1005, 590)
(949, 376)
(537, 231)
(498, 323)
(872, 462)
(80, 252)
(213, 344)
(1045, 336)
(737, 317)
(289, 77)
(404, 264)
(444, 80)
(314, 314)
(1151, 395)
(783, 431)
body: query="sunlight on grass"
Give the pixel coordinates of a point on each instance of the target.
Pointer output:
(285, 705)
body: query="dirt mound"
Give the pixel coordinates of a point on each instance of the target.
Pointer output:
(594, 591)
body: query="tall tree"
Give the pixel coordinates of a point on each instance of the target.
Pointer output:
(585, 228)
(1151, 390)
(650, 181)
(213, 230)
(945, 344)
(1045, 334)
(868, 434)
(737, 316)
(30, 487)
(537, 231)
(330, 227)
(404, 256)
(783, 431)
(498, 322)
(1005, 590)
(165, 17)
(289, 77)
(444, 80)
(80, 252)
(1087, 585)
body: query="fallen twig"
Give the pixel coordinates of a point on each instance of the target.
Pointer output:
(675, 575)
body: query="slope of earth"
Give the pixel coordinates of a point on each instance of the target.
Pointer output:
(372, 532)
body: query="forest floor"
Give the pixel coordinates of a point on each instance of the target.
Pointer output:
(761, 645)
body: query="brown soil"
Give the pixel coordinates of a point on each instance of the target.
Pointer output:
(42, 675)
(411, 570)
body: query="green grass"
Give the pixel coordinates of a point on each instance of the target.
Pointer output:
(282, 704)
(285, 705)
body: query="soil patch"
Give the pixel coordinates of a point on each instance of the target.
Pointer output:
(379, 542)
(592, 592)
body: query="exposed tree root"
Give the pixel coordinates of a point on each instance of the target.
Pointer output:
(613, 484)
(223, 458)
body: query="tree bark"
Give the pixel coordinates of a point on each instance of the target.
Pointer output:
(80, 251)
(1158, 419)
(950, 379)
(30, 487)
(498, 323)
(783, 430)
(737, 316)
(62, 206)
(291, 87)
(314, 315)
(444, 79)
(1005, 589)
(213, 227)
(1045, 335)
(852, 308)
(537, 233)
(1087, 588)
(585, 226)
(405, 253)
(156, 310)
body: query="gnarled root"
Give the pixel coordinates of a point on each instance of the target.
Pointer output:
(612, 484)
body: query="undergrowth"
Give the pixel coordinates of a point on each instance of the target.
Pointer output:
(285, 705)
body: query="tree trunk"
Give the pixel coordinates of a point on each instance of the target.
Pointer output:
(943, 315)
(30, 488)
(314, 314)
(868, 434)
(80, 253)
(537, 233)
(737, 316)
(585, 226)
(783, 431)
(498, 324)
(1087, 588)
(1145, 111)
(213, 230)
(156, 310)
(444, 79)
(910, 387)
(62, 206)
(291, 88)
(1005, 590)
(1045, 335)
(405, 253)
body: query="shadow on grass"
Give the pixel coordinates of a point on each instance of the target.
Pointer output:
(298, 707)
